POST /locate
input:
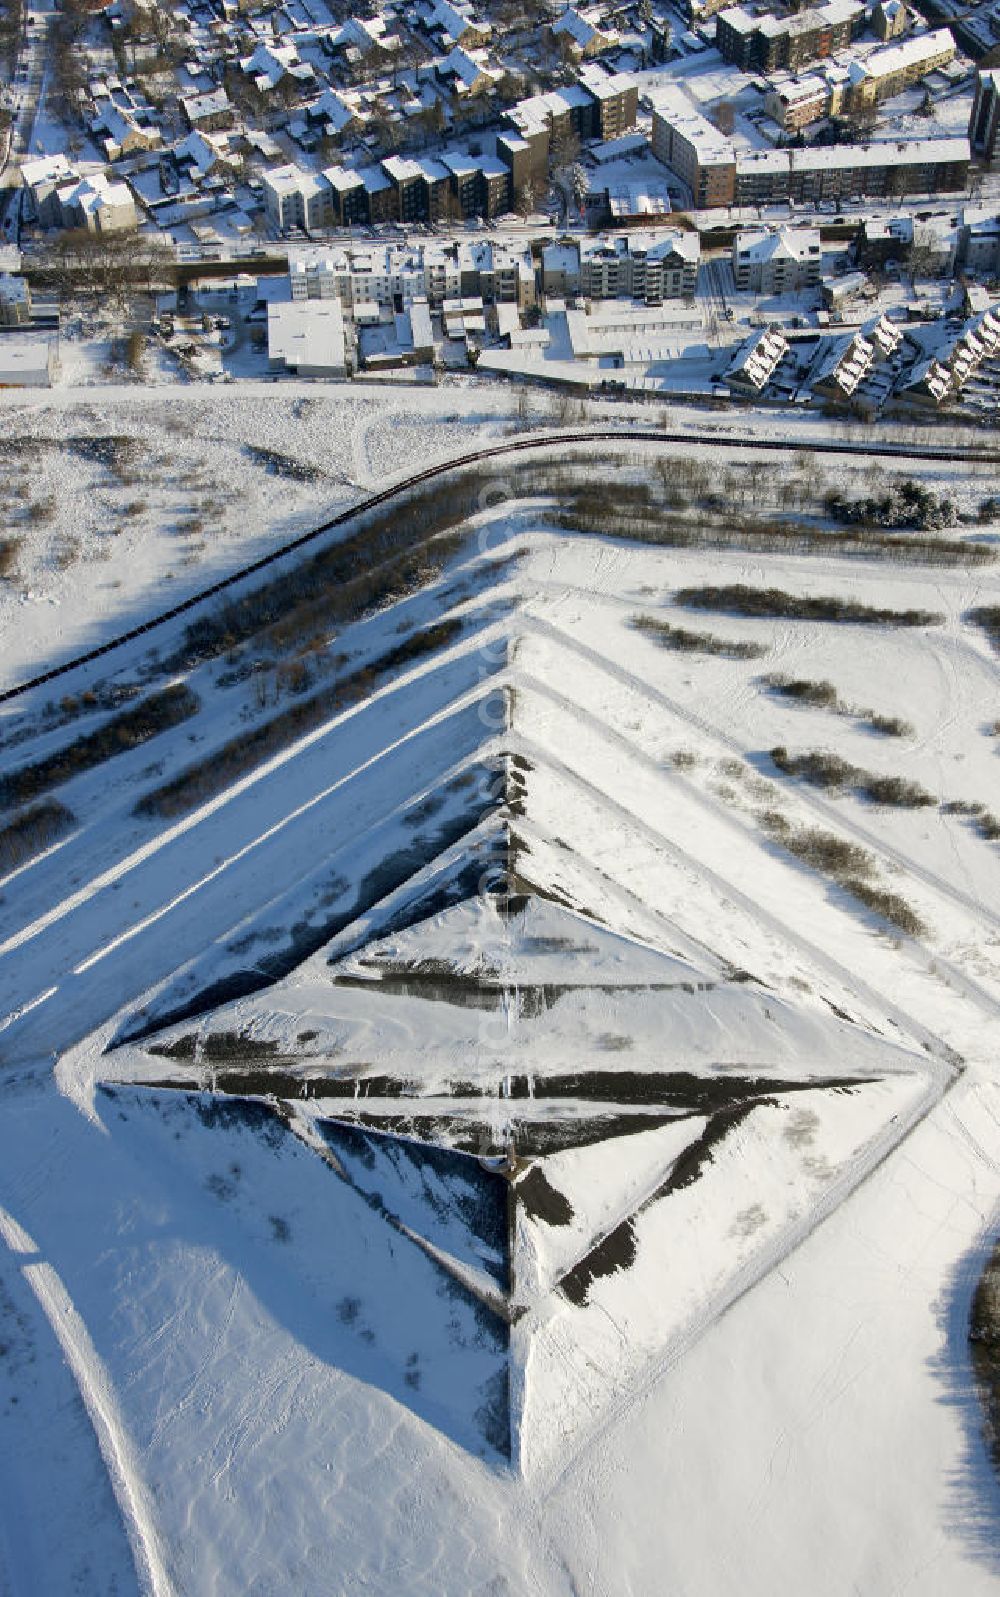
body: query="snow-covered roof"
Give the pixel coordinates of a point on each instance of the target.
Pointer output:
(760, 245)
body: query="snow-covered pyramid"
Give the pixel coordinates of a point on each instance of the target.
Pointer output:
(525, 1004)
(590, 1128)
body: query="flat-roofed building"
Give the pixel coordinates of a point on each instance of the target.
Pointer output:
(98, 205)
(307, 337)
(889, 18)
(43, 179)
(616, 97)
(763, 44)
(294, 198)
(647, 267)
(979, 239)
(700, 155)
(28, 362)
(984, 123)
(795, 102)
(846, 171)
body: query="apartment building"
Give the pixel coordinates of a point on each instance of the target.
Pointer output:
(602, 105)
(852, 171)
(984, 123)
(838, 87)
(650, 268)
(765, 44)
(979, 239)
(696, 151)
(297, 199)
(896, 67)
(795, 102)
(777, 260)
(394, 276)
(616, 101)
(889, 19)
(15, 301)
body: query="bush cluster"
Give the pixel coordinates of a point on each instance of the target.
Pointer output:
(155, 714)
(987, 616)
(821, 769)
(824, 696)
(9, 551)
(905, 504)
(280, 465)
(394, 553)
(846, 863)
(686, 642)
(774, 604)
(818, 695)
(203, 780)
(985, 822)
(31, 832)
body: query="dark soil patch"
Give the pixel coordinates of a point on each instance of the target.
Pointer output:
(541, 1200)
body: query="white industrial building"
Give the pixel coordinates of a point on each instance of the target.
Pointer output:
(307, 338)
(28, 362)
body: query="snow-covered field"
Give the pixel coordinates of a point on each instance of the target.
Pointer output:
(468, 1153)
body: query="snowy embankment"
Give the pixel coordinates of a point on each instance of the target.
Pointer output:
(746, 1194)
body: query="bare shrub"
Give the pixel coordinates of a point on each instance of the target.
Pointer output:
(892, 726)
(985, 822)
(846, 863)
(820, 695)
(685, 642)
(987, 616)
(774, 604)
(395, 552)
(823, 851)
(211, 775)
(121, 732)
(890, 906)
(31, 832)
(41, 511)
(822, 769)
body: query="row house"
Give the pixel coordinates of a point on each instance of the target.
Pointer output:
(943, 375)
(845, 365)
(399, 189)
(601, 105)
(756, 361)
(896, 67)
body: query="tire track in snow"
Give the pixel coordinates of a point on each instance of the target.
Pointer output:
(115, 1444)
